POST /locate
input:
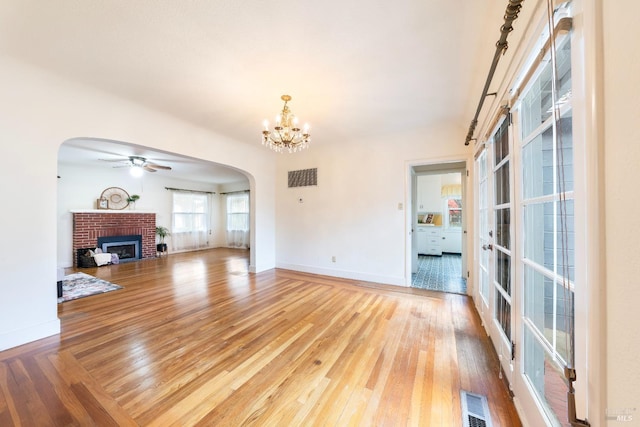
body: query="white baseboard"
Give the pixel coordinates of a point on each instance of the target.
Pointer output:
(345, 274)
(27, 335)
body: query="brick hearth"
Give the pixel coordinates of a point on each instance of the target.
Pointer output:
(89, 225)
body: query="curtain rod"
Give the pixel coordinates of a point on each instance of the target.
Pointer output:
(510, 15)
(236, 192)
(189, 191)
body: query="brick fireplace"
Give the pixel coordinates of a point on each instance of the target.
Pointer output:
(88, 226)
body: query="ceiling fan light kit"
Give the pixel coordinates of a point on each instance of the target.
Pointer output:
(138, 165)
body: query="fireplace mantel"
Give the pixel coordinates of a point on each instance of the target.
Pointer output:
(111, 211)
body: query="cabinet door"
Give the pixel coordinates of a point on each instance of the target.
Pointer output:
(422, 240)
(452, 241)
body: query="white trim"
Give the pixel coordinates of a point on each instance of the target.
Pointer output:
(467, 216)
(32, 333)
(345, 274)
(588, 127)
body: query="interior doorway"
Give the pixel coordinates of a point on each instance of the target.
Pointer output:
(438, 255)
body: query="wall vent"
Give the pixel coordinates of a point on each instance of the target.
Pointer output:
(475, 410)
(303, 178)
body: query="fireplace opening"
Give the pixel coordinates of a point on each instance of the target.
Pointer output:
(128, 248)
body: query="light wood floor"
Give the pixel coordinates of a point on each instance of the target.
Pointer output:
(193, 339)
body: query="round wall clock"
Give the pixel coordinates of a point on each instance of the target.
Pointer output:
(116, 196)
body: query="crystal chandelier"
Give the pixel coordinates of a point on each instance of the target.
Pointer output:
(286, 135)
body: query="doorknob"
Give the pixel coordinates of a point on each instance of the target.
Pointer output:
(489, 246)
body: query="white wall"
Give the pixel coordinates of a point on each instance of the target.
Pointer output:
(353, 212)
(40, 111)
(79, 187)
(621, 290)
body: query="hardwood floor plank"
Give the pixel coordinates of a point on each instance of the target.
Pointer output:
(8, 411)
(194, 339)
(95, 400)
(76, 413)
(26, 398)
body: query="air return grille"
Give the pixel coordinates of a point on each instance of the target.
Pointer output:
(303, 178)
(475, 410)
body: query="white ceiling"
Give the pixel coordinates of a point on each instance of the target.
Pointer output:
(353, 67)
(103, 154)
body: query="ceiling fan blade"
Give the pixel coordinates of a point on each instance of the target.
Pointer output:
(156, 166)
(148, 168)
(114, 160)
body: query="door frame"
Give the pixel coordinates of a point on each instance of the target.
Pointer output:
(436, 166)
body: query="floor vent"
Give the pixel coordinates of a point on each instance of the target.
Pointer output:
(475, 410)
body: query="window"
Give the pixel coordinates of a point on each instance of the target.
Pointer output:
(238, 212)
(452, 201)
(190, 221)
(238, 220)
(190, 212)
(454, 212)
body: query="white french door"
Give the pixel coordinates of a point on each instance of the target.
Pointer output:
(483, 238)
(526, 240)
(495, 243)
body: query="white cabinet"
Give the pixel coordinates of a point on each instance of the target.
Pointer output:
(422, 240)
(429, 240)
(452, 240)
(428, 193)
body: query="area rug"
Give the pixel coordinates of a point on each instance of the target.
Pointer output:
(80, 285)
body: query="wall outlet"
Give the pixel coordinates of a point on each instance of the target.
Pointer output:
(333, 258)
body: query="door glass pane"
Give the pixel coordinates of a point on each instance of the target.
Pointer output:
(536, 104)
(565, 156)
(545, 377)
(537, 166)
(538, 163)
(503, 224)
(501, 142)
(484, 284)
(538, 301)
(539, 234)
(502, 184)
(503, 271)
(503, 314)
(565, 214)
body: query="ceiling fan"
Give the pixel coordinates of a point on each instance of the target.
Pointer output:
(138, 164)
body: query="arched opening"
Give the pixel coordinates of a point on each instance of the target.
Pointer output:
(87, 167)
